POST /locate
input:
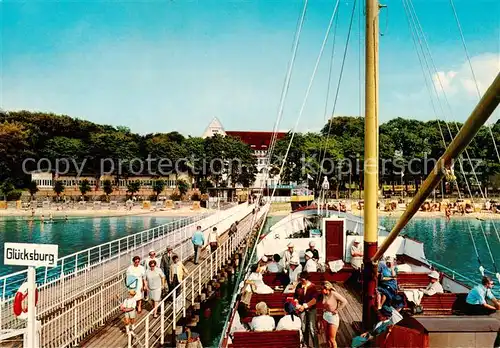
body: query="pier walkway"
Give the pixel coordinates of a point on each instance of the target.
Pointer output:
(80, 294)
(152, 332)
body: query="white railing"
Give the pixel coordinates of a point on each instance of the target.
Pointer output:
(94, 306)
(277, 199)
(79, 273)
(150, 331)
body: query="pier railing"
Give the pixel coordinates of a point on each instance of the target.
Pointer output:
(152, 331)
(95, 305)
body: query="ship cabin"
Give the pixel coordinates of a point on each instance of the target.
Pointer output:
(438, 320)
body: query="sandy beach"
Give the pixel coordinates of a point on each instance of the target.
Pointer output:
(419, 214)
(136, 211)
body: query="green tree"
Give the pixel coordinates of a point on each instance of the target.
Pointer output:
(58, 188)
(158, 187)
(33, 189)
(133, 187)
(84, 187)
(183, 186)
(107, 187)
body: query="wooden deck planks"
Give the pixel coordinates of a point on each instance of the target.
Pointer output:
(111, 335)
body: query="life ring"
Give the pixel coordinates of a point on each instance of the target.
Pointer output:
(22, 293)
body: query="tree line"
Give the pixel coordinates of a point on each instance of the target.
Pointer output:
(340, 142)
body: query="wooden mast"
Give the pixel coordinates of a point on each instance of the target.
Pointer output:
(370, 163)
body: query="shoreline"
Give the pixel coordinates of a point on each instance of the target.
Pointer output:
(14, 214)
(419, 214)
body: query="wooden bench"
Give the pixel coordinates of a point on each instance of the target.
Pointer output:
(268, 339)
(443, 304)
(275, 302)
(276, 279)
(414, 280)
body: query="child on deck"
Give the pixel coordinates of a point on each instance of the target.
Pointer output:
(128, 308)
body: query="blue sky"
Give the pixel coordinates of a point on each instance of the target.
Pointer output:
(158, 66)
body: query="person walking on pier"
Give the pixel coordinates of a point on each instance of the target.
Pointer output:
(128, 308)
(166, 261)
(177, 271)
(154, 283)
(198, 240)
(135, 280)
(212, 239)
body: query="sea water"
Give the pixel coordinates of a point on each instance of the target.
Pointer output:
(451, 243)
(73, 235)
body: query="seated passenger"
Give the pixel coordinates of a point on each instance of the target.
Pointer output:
(434, 286)
(263, 321)
(310, 265)
(255, 278)
(388, 285)
(291, 321)
(262, 264)
(476, 302)
(295, 270)
(313, 250)
(273, 265)
(356, 255)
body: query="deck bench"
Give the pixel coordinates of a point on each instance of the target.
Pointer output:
(267, 339)
(443, 304)
(275, 302)
(414, 280)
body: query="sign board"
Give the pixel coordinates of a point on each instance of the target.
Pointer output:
(23, 254)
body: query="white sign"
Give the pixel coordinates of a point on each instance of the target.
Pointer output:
(23, 254)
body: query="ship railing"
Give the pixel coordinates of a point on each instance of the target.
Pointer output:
(454, 274)
(95, 306)
(151, 332)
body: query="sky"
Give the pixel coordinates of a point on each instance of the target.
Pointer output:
(165, 65)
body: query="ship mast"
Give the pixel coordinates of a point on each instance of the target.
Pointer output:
(370, 163)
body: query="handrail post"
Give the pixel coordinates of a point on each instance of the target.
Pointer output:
(146, 333)
(162, 323)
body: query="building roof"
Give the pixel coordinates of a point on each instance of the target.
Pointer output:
(257, 140)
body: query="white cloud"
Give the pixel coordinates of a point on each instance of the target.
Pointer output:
(460, 83)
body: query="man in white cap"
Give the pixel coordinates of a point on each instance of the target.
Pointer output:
(434, 286)
(262, 264)
(313, 250)
(152, 256)
(295, 270)
(288, 255)
(311, 265)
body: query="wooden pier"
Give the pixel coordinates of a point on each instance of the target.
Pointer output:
(204, 278)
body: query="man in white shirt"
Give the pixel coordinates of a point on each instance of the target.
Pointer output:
(356, 255)
(295, 270)
(152, 256)
(262, 321)
(310, 265)
(288, 255)
(434, 286)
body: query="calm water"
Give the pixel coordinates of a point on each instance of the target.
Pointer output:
(450, 243)
(74, 235)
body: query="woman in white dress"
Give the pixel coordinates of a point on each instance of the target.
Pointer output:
(256, 279)
(136, 273)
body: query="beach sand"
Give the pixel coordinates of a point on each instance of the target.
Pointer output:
(420, 214)
(136, 211)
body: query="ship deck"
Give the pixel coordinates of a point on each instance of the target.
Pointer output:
(350, 318)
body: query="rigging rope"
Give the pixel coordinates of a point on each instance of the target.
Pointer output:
(336, 93)
(421, 32)
(414, 32)
(286, 85)
(431, 59)
(309, 87)
(472, 70)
